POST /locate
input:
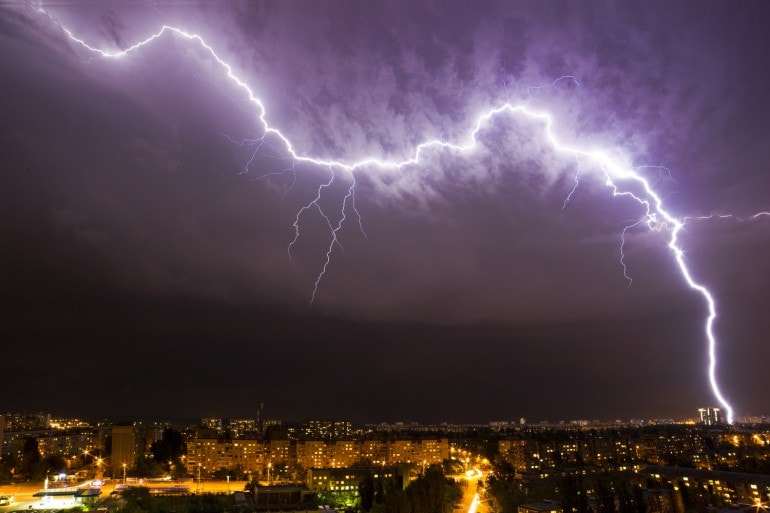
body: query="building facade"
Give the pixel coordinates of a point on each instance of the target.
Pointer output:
(710, 416)
(124, 449)
(252, 455)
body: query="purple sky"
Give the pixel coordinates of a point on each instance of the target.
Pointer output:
(140, 264)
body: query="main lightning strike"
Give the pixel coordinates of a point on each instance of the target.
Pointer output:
(654, 215)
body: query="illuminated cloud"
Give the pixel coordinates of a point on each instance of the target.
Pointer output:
(462, 237)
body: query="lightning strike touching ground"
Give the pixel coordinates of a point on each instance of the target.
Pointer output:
(621, 179)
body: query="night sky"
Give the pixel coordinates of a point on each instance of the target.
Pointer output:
(145, 225)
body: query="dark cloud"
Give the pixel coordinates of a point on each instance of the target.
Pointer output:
(139, 243)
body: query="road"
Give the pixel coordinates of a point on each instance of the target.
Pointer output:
(25, 500)
(470, 501)
(24, 493)
(214, 486)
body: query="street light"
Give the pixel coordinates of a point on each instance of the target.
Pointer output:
(95, 460)
(124, 473)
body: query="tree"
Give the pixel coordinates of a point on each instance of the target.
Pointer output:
(309, 501)
(138, 500)
(178, 469)
(507, 496)
(433, 492)
(503, 470)
(397, 502)
(572, 495)
(30, 455)
(640, 506)
(8, 466)
(235, 473)
(251, 487)
(605, 496)
(53, 463)
(366, 491)
(145, 467)
(625, 497)
(170, 446)
(379, 489)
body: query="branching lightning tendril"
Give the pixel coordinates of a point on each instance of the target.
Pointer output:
(575, 185)
(654, 215)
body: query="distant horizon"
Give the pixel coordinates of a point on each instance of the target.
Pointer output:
(196, 420)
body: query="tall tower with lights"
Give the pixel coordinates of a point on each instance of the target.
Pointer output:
(710, 416)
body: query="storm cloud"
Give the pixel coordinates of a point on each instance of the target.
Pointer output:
(138, 194)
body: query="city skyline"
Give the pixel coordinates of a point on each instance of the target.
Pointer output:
(259, 421)
(63, 422)
(163, 251)
(330, 462)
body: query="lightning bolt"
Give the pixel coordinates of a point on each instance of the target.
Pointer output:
(654, 215)
(622, 247)
(349, 196)
(709, 217)
(532, 89)
(575, 185)
(314, 203)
